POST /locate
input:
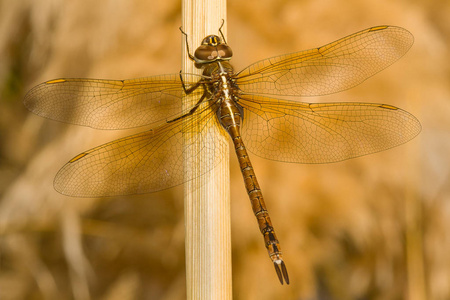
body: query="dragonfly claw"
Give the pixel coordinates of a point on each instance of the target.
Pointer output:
(281, 270)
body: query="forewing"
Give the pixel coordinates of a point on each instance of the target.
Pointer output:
(324, 132)
(111, 104)
(146, 162)
(329, 69)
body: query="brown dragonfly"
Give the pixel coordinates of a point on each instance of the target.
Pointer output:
(285, 130)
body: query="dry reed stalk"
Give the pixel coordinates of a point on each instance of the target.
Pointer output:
(207, 198)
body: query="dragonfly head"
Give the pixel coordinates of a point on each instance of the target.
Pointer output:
(212, 49)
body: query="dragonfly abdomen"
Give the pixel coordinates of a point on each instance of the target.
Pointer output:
(230, 118)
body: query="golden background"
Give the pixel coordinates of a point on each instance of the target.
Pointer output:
(374, 227)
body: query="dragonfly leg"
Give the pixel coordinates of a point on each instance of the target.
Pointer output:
(221, 33)
(187, 91)
(193, 109)
(191, 57)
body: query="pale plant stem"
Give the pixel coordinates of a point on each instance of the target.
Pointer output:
(207, 198)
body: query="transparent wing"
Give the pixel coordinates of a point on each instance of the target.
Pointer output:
(146, 162)
(329, 69)
(324, 132)
(111, 104)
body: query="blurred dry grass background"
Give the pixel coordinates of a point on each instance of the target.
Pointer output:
(375, 227)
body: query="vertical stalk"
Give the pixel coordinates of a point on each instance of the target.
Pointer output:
(207, 198)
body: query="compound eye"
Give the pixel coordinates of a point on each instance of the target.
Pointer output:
(224, 51)
(206, 53)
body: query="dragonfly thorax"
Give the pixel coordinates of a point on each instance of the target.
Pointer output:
(212, 49)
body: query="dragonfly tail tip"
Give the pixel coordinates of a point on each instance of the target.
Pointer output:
(281, 270)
